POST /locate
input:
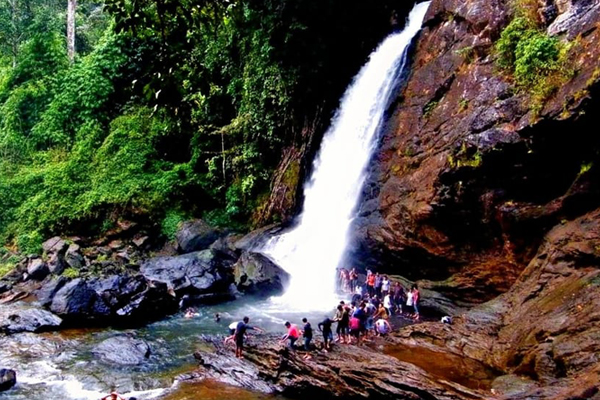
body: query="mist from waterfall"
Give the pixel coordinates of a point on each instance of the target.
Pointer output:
(313, 250)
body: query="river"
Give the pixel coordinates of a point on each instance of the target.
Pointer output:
(60, 365)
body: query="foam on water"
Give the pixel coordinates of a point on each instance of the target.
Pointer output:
(315, 248)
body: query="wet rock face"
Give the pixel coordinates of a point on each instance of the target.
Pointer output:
(195, 235)
(468, 179)
(545, 329)
(196, 273)
(20, 319)
(256, 274)
(122, 350)
(8, 379)
(348, 372)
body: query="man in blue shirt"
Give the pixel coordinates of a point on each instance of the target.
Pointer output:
(240, 331)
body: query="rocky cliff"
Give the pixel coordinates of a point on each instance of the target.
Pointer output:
(474, 168)
(487, 189)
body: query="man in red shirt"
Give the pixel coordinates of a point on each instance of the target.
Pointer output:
(292, 334)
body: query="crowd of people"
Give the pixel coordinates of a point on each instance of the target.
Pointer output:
(379, 288)
(374, 301)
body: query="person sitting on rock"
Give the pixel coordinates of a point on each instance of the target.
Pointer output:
(382, 327)
(307, 332)
(292, 335)
(239, 334)
(325, 327)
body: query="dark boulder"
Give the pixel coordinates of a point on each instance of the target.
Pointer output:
(37, 269)
(46, 293)
(5, 287)
(256, 274)
(258, 238)
(122, 350)
(75, 299)
(28, 320)
(8, 379)
(197, 273)
(225, 247)
(195, 235)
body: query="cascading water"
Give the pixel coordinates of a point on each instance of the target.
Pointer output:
(312, 251)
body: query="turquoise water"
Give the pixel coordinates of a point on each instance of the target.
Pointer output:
(60, 365)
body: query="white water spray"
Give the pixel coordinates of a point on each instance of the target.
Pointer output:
(315, 248)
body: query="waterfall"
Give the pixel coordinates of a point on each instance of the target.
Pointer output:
(313, 250)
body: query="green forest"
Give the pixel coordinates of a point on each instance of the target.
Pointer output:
(163, 110)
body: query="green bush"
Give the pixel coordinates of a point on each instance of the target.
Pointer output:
(171, 222)
(537, 61)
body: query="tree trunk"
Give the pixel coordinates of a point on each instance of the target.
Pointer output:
(71, 29)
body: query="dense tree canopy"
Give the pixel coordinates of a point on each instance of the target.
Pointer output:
(172, 109)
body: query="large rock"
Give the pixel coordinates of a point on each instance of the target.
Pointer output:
(46, 293)
(256, 239)
(256, 274)
(545, 327)
(122, 350)
(196, 273)
(18, 319)
(348, 372)
(75, 299)
(37, 269)
(55, 245)
(8, 379)
(73, 257)
(195, 235)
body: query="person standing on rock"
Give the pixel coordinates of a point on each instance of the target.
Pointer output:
(292, 335)
(239, 334)
(371, 284)
(353, 280)
(410, 301)
(416, 297)
(386, 285)
(378, 283)
(325, 327)
(307, 332)
(342, 317)
(398, 291)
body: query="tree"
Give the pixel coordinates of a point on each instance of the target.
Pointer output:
(71, 9)
(14, 17)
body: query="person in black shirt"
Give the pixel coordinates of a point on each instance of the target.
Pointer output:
(325, 327)
(240, 330)
(307, 332)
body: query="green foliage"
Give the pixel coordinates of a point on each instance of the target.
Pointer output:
(171, 223)
(5, 268)
(30, 243)
(71, 273)
(429, 107)
(538, 62)
(176, 105)
(465, 157)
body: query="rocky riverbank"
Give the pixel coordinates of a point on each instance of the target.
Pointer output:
(346, 372)
(117, 280)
